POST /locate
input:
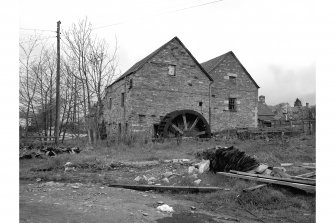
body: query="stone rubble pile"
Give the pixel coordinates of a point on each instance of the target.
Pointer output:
(39, 152)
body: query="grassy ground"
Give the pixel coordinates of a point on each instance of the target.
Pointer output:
(268, 204)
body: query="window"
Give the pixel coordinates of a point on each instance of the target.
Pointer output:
(200, 103)
(110, 103)
(172, 70)
(141, 119)
(232, 79)
(130, 83)
(122, 99)
(232, 104)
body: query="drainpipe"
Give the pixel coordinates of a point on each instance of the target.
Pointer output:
(209, 105)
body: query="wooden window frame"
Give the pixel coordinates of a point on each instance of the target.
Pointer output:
(174, 70)
(232, 104)
(232, 79)
(122, 99)
(130, 83)
(141, 119)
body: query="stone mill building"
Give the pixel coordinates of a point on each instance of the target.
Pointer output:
(168, 93)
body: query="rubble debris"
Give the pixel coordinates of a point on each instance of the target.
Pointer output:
(224, 159)
(29, 152)
(165, 208)
(279, 168)
(68, 164)
(137, 179)
(280, 172)
(181, 161)
(204, 166)
(167, 174)
(152, 179)
(165, 180)
(195, 176)
(191, 169)
(197, 182)
(160, 202)
(193, 208)
(261, 168)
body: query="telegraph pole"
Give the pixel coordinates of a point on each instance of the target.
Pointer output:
(57, 85)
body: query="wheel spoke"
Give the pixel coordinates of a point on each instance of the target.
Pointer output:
(194, 123)
(185, 122)
(178, 129)
(199, 133)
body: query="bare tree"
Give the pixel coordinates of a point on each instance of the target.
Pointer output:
(87, 66)
(27, 85)
(95, 69)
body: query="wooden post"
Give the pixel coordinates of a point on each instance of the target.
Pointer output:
(57, 85)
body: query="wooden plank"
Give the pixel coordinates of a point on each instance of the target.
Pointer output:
(165, 188)
(305, 187)
(273, 178)
(311, 174)
(254, 187)
(308, 167)
(302, 178)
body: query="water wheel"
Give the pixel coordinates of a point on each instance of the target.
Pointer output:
(186, 123)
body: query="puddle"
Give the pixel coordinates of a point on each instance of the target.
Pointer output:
(188, 218)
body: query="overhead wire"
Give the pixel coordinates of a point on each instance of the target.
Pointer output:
(168, 12)
(39, 39)
(40, 30)
(122, 22)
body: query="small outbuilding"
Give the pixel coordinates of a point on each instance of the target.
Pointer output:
(266, 117)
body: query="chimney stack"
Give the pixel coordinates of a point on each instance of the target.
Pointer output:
(262, 99)
(307, 105)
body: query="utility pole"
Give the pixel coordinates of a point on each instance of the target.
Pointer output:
(57, 85)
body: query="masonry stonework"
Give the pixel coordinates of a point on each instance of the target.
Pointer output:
(240, 87)
(171, 79)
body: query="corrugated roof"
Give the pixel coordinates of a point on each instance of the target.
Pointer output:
(210, 65)
(141, 63)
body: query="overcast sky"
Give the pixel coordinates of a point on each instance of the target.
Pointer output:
(274, 39)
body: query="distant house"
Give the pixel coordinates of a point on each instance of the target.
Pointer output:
(265, 115)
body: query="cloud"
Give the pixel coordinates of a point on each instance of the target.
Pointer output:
(287, 84)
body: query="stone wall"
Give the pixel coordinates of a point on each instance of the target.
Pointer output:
(155, 93)
(241, 87)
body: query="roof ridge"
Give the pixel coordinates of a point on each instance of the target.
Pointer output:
(219, 58)
(139, 64)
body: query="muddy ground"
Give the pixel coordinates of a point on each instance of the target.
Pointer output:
(76, 202)
(48, 193)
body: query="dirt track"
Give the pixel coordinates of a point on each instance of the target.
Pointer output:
(59, 202)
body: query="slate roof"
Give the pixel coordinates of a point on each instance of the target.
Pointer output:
(210, 65)
(141, 63)
(264, 112)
